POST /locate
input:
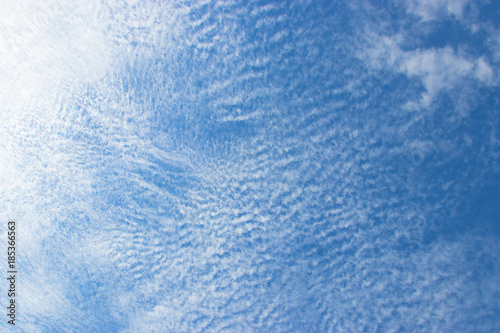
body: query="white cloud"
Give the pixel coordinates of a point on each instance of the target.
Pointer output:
(431, 9)
(440, 69)
(483, 71)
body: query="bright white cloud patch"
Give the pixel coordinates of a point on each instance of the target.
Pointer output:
(433, 9)
(439, 69)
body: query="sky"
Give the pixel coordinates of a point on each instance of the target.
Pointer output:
(251, 166)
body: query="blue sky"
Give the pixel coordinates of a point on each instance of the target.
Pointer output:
(259, 166)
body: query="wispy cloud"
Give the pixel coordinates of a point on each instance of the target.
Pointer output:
(434, 9)
(439, 69)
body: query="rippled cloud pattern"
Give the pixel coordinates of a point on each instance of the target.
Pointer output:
(252, 166)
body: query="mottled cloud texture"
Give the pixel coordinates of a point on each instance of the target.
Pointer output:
(252, 167)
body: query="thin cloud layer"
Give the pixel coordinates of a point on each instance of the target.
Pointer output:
(241, 167)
